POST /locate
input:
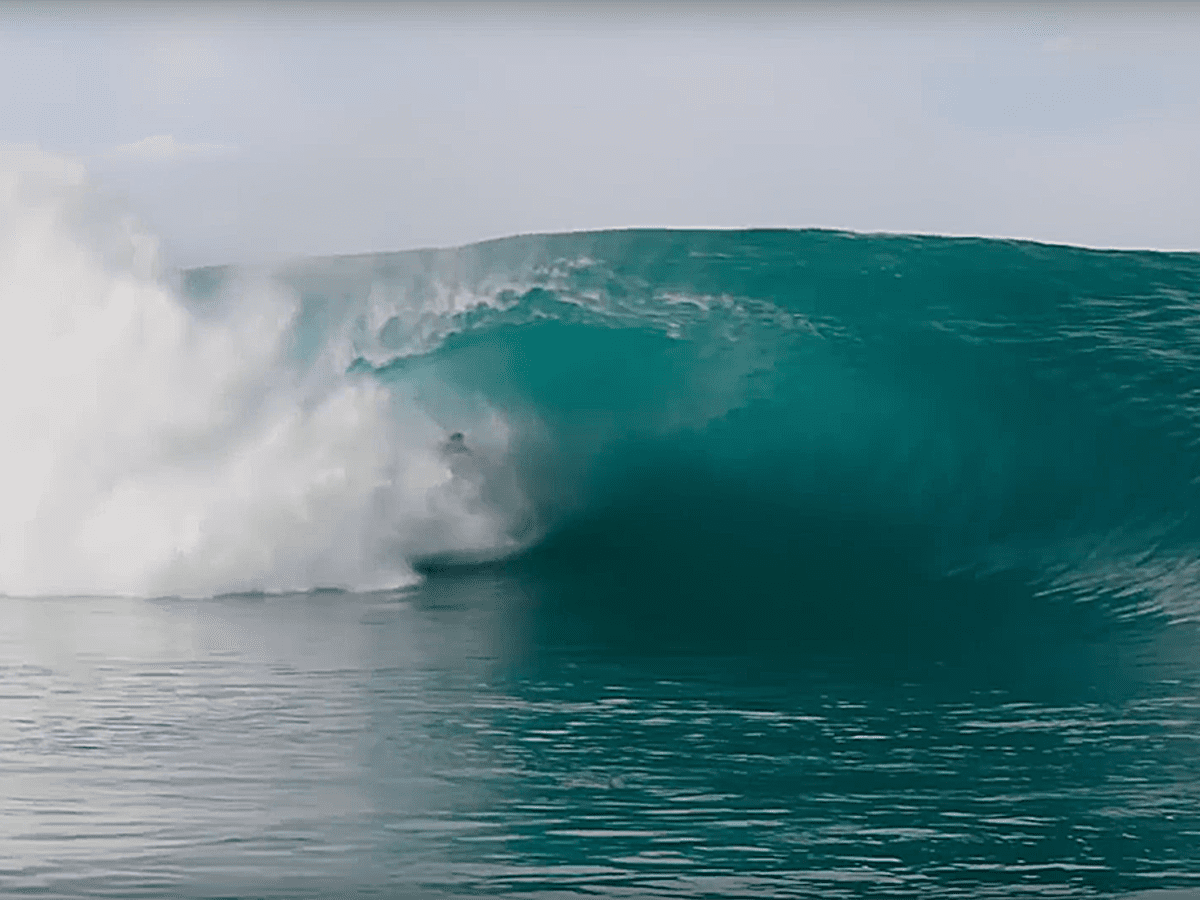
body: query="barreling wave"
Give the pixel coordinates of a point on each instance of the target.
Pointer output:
(799, 413)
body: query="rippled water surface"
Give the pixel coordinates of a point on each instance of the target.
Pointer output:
(473, 738)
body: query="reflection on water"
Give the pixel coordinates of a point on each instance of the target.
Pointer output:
(472, 738)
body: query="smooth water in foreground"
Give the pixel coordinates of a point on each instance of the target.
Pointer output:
(479, 735)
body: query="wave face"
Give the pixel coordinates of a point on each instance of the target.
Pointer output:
(786, 413)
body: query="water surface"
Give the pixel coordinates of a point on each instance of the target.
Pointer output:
(480, 736)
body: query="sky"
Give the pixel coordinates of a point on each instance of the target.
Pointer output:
(243, 132)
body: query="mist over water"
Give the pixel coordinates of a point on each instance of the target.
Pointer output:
(646, 563)
(153, 447)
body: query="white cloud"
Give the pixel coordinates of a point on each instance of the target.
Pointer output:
(165, 148)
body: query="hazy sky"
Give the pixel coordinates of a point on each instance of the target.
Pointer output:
(245, 132)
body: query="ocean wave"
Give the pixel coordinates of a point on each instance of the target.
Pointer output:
(719, 414)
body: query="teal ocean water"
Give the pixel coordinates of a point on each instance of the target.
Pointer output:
(637, 564)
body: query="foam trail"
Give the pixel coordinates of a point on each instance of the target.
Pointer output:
(150, 449)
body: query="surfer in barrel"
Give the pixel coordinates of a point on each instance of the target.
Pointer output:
(459, 458)
(455, 444)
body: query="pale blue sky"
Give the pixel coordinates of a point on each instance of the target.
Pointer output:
(248, 132)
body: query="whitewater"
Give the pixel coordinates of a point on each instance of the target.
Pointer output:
(152, 446)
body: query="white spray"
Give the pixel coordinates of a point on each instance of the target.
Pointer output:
(146, 449)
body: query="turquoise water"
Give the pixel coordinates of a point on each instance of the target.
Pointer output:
(475, 737)
(729, 564)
